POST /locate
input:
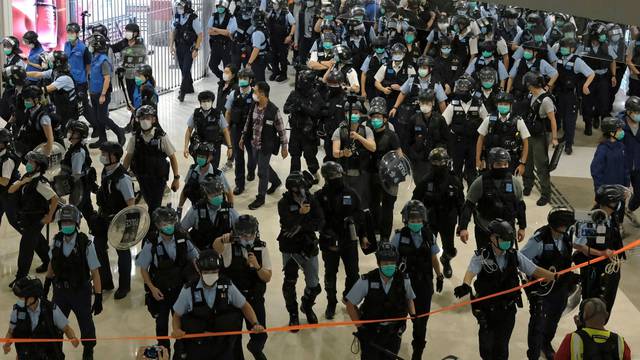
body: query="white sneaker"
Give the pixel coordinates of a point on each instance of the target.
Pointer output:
(632, 218)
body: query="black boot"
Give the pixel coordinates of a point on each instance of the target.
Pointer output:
(587, 127)
(294, 321)
(418, 349)
(256, 352)
(447, 271)
(87, 353)
(330, 312)
(291, 302)
(308, 300)
(596, 122)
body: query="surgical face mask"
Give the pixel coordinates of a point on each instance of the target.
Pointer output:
(602, 38)
(104, 160)
(445, 51)
(146, 124)
(72, 37)
(426, 108)
(528, 55)
(423, 72)
(329, 17)
(379, 50)
(504, 109)
(20, 303)
(487, 84)
(564, 51)
(216, 200)
(620, 135)
(461, 11)
(221, 10)
(168, 229)
(397, 57)
(504, 245)
(29, 167)
(487, 54)
(180, 11)
(569, 35)
(139, 81)
(377, 123)
(388, 270)
(473, 4)
(128, 35)
(255, 97)
(91, 49)
(210, 279)
(538, 38)
(635, 117)
(530, 26)
(415, 227)
(382, 11)
(443, 27)
(243, 83)
(7, 51)
(327, 45)
(355, 118)
(68, 229)
(499, 173)
(28, 104)
(226, 76)
(409, 38)
(201, 161)
(206, 105)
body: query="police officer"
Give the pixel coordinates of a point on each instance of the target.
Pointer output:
(333, 112)
(340, 235)
(358, 42)
(440, 31)
(184, 41)
(550, 248)
(37, 203)
(442, 194)
(300, 217)
(427, 131)
(496, 264)
(504, 129)
(34, 61)
(570, 67)
(240, 48)
(210, 127)
(321, 57)
(40, 125)
(495, 194)
(238, 104)
(114, 194)
(100, 89)
(418, 258)
(302, 107)
(147, 153)
(74, 266)
(211, 215)
(76, 166)
(632, 148)
(391, 76)
(343, 62)
(447, 68)
(210, 304)
(246, 262)
(464, 29)
(384, 292)
(221, 28)
(600, 237)
(9, 174)
(463, 115)
(282, 28)
(144, 92)
(305, 11)
(166, 264)
(260, 44)
(487, 51)
(370, 67)
(133, 52)
(11, 51)
(488, 87)
(79, 63)
(12, 61)
(539, 120)
(633, 64)
(33, 316)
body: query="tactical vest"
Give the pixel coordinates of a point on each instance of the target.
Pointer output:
(360, 155)
(491, 282)
(32, 205)
(464, 125)
(223, 93)
(203, 235)
(374, 65)
(507, 34)
(383, 146)
(31, 135)
(207, 126)
(45, 329)
(537, 125)
(504, 134)
(380, 305)
(71, 272)
(169, 274)
(440, 195)
(598, 59)
(416, 87)
(498, 201)
(240, 107)
(567, 78)
(222, 317)
(66, 165)
(192, 189)
(519, 89)
(393, 77)
(185, 35)
(418, 262)
(490, 101)
(278, 25)
(635, 58)
(149, 159)
(592, 350)
(460, 48)
(245, 278)
(481, 63)
(66, 102)
(15, 174)
(359, 50)
(551, 255)
(220, 40)
(109, 199)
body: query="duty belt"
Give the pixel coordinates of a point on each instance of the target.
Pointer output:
(353, 172)
(65, 285)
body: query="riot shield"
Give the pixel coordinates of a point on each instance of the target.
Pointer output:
(128, 227)
(394, 168)
(55, 158)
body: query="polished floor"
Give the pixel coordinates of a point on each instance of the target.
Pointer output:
(449, 333)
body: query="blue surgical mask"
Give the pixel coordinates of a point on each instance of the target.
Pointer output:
(216, 200)
(377, 123)
(8, 51)
(409, 38)
(327, 45)
(329, 17)
(355, 118)
(445, 51)
(168, 229)
(528, 55)
(564, 51)
(538, 38)
(68, 229)
(415, 227)
(379, 50)
(243, 83)
(20, 303)
(504, 109)
(487, 84)
(602, 38)
(201, 161)
(504, 245)
(72, 37)
(29, 167)
(221, 10)
(636, 117)
(397, 57)
(139, 81)
(487, 54)
(28, 104)
(388, 270)
(620, 135)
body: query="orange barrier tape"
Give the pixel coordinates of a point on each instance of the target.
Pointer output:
(336, 323)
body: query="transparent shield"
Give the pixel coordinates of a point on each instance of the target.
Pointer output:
(128, 227)
(55, 158)
(394, 169)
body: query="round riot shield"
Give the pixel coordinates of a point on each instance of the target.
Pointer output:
(128, 227)
(575, 296)
(394, 169)
(62, 184)
(55, 158)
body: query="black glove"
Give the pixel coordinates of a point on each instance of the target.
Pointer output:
(179, 212)
(97, 304)
(462, 290)
(439, 283)
(120, 71)
(47, 286)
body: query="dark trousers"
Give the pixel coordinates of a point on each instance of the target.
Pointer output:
(185, 61)
(567, 115)
(259, 66)
(266, 174)
(305, 49)
(78, 301)
(634, 87)
(131, 86)
(596, 104)
(327, 144)
(216, 156)
(238, 156)
(165, 310)
(482, 237)
(446, 228)
(361, 185)
(279, 52)
(102, 120)
(31, 241)
(545, 314)
(538, 158)
(373, 340)
(8, 206)
(82, 91)
(495, 331)
(464, 158)
(634, 203)
(595, 283)
(419, 169)
(152, 189)
(219, 52)
(102, 251)
(423, 288)
(348, 252)
(300, 145)
(257, 341)
(381, 207)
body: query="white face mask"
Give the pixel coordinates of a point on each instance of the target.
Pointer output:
(255, 97)
(443, 27)
(226, 77)
(128, 35)
(145, 124)
(426, 109)
(104, 160)
(20, 303)
(206, 105)
(209, 279)
(180, 11)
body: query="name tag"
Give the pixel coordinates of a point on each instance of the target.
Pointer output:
(258, 248)
(375, 285)
(548, 246)
(454, 68)
(430, 187)
(268, 123)
(600, 240)
(508, 187)
(346, 200)
(180, 241)
(405, 240)
(22, 315)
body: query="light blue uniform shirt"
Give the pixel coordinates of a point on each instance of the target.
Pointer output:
(545, 68)
(59, 320)
(502, 71)
(69, 243)
(424, 84)
(63, 82)
(534, 247)
(551, 55)
(184, 304)
(144, 258)
(191, 219)
(232, 26)
(383, 58)
(416, 238)
(196, 25)
(258, 40)
(229, 103)
(524, 264)
(361, 288)
(579, 66)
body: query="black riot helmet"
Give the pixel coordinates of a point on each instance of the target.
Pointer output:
(247, 225)
(533, 20)
(335, 78)
(343, 53)
(32, 92)
(331, 170)
(206, 95)
(98, 42)
(306, 79)
(69, 212)
(13, 43)
(28, 287)
(146, 110)
(632, 104)
(59, 60)
(209, 260)
(258, 18)
(461, 22)
(73, 27)
(5, 136)
(464, 85)
(511, 13)
(610, 125)
(145, 70)
(398, 51)
(561, 216)
(439, 157)
(503, 230)
(487, 75)
(295, 180)
(487, 46)
(164, 215)
(100, 29)
(205, 149)
(498, 154)
(386, 252)
(426, 96)
(186, 4)
(39, 159)
(425, 61)
(609, 194)
(212, 184)
(133, 27)
(14, 75)
(78, 127)
(246, 73)
(504, 97)
(534, 79)
(112, 148)
(414, 209)
(570, 43)
(379, 42)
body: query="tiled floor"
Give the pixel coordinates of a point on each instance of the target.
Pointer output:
(453, 332)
